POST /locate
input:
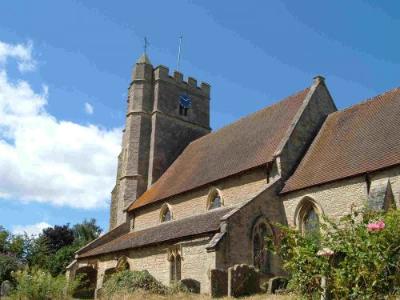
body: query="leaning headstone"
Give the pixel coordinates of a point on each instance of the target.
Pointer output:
(219, 283)
(243, 280)
(5, 288)
(192, 285)
(277, 283)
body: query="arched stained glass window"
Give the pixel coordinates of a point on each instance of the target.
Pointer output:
(308, 218)
(261, 255)
(311, 221)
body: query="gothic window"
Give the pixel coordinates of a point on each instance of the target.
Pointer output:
(122, 264)
(175, 265)
(308, 218)
(214, 199)
(261, 256)
(166, 214)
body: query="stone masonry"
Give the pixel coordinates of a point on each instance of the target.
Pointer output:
(155, 133)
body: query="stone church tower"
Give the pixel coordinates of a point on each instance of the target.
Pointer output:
(164, 115)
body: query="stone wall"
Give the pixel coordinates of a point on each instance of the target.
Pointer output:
(155, 133)
(336, 199)
(234, 190)
(236, 248)
(196, 262)
(316, 108)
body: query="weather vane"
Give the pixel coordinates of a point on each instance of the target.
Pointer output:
(179, 53)
(145, 45)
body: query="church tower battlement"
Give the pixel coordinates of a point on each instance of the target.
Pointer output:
(164, 114)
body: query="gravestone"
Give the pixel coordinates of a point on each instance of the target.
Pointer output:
(219, 283)
(277, 283)
(243, 280)
(192, 285)
(5, 288)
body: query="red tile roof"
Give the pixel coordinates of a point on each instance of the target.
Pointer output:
(245, 144)
(166, 232)
(360, 139)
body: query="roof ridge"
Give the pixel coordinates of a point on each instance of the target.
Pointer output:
(251, 114)
(366, 101)
(360, 125)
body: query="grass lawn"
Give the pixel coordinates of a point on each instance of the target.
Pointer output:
(146, 296)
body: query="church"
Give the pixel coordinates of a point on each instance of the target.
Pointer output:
(188, 201)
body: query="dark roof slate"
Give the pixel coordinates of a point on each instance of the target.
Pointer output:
(165, 232)
(250, 142)
(357, 140)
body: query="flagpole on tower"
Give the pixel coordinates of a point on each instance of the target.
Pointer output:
(145, 45)
(179, 53)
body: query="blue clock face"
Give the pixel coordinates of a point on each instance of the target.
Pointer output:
(185, 101)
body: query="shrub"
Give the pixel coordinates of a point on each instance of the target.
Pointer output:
(40, 285)
(359, 256)
(59, 261)
(8, 264)
(131, 281)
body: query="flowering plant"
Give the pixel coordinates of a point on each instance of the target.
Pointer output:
(376, 226)
(363, 251)
(325, 252)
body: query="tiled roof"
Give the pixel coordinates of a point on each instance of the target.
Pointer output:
(109, 236)
(245, 144)
(166, 232)
(360, 139)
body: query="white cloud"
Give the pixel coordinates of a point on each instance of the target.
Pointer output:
(48, 160)
(89, 108)
(22, 53)
(30, 230)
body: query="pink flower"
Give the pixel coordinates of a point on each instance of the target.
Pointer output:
(325, 252)
(377, 226)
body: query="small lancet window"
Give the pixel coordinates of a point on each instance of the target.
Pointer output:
(185, 102)
(214, 200)
(175, 266)
(183, 111)
(166, 214)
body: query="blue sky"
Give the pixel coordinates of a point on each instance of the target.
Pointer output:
(253, 53)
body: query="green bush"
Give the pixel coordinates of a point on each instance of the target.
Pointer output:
(37, 284)
(8, 264)
(131, 281)
(359, 256)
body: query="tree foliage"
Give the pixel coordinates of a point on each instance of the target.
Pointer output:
(86, 231)
(57, 237)
(52, 250)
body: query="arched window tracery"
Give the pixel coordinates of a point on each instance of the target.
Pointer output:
(175, 265)
(308, 218)
(261, 255)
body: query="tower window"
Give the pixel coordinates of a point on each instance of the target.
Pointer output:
(183, 111)
(185, 102)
